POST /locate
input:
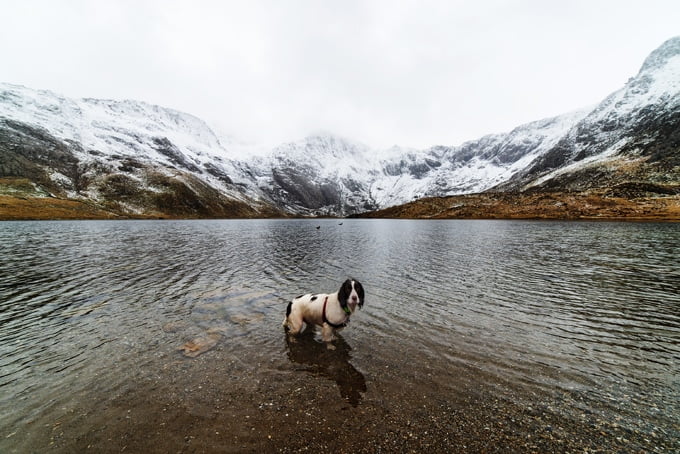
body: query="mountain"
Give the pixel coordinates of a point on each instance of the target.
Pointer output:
(129, 158)
(618, 160)
(329, 175)
(474, 166)
(627, 145)
(319, 175)
(126, 157)
(632, 136)
(134, 159)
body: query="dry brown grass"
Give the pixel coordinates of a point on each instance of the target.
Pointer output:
(555, 205)
(43, 208)
(46, 208)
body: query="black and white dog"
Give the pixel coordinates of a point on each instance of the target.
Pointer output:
(330, 311)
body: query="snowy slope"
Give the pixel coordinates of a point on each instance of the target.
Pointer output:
(110, 127)
(321, 174)
(642, 115)
(99, 144)
(326, 174)
(113, 131)
(474, 166)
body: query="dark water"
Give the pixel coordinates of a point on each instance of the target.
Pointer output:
(588, 313)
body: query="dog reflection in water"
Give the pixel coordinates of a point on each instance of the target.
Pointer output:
(330, 363)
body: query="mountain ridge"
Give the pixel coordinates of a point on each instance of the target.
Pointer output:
(136, 159)
(631, 124)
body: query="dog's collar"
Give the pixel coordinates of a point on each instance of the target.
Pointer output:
(334, 325)
(343, 305)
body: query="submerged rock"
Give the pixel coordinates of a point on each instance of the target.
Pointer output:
(202, 344)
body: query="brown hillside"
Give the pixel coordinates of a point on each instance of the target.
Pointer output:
(622, 203)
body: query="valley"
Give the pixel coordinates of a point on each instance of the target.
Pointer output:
(64, 158)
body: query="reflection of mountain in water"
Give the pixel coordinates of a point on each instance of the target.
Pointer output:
(334, 364)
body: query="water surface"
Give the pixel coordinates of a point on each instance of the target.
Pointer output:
(105, 327)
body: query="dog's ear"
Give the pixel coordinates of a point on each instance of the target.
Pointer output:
(345, 290)
(360, 291)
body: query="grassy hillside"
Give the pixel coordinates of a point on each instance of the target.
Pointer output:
(625, 202)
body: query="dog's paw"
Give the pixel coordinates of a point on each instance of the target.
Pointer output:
(330, 346)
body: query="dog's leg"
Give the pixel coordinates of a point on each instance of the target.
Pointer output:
(327, 332)
(285, 320)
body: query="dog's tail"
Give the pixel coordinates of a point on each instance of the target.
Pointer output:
(288, 309)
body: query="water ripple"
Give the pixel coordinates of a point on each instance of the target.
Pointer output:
(587, 308)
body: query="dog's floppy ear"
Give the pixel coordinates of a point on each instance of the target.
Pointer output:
(345, 290)
(360, 291)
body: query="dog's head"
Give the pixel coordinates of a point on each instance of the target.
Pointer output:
(352, 293)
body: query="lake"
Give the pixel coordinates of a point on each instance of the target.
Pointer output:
(494, 336)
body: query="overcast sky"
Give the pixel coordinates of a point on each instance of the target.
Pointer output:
(412, 73)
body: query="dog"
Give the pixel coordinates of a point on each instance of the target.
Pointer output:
(330, 311)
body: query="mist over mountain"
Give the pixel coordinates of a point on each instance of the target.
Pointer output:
(131, 158)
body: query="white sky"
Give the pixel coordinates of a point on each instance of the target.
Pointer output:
(413, 73)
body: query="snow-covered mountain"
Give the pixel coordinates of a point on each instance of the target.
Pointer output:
(474, 166)
(326, 174)
(633, 134)
(106, 130)
(135, 158)
(131, 156)
(322, 174)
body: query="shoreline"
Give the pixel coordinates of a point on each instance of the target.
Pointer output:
(501, 206)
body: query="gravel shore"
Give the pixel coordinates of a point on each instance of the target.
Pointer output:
(321, 400)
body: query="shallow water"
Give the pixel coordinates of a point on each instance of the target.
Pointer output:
(585, 313)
